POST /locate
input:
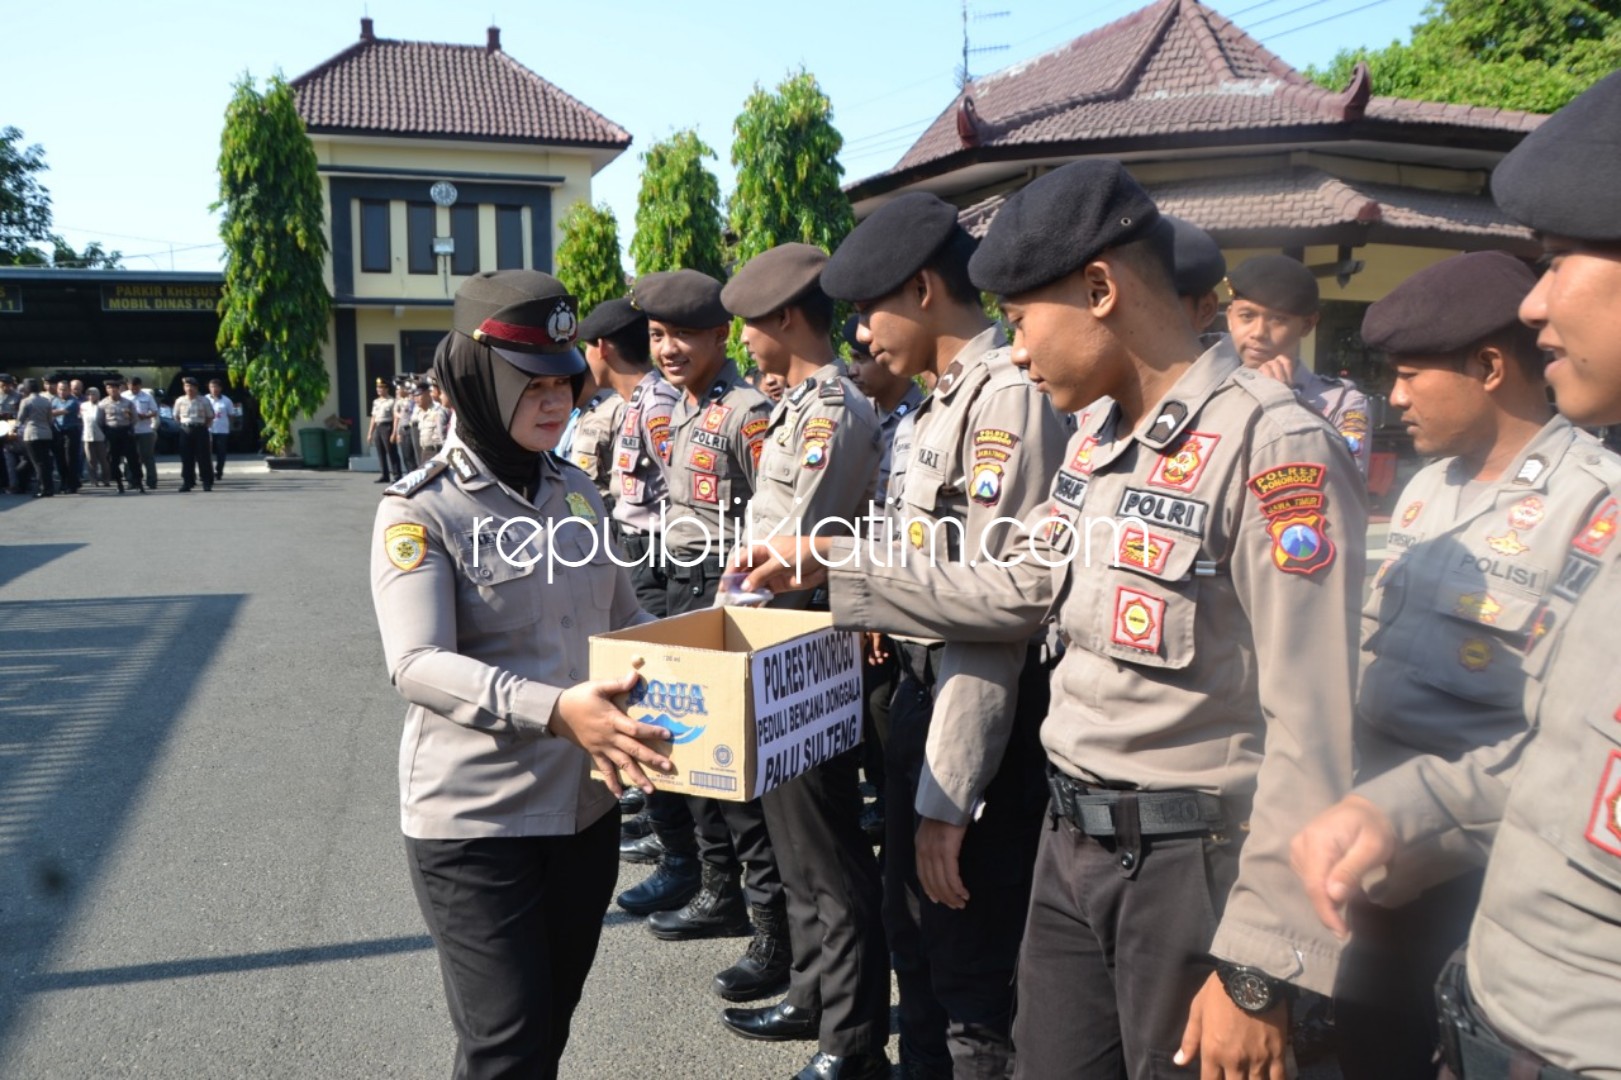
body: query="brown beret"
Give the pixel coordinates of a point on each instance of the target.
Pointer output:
(773, 279)
(685, 298)
(1450, 305)
(522, 311)
(1277, 282)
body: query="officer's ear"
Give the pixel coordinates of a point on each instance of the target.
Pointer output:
(1100, 289)
(925, 287)
(1489, 365)
(1311, 324)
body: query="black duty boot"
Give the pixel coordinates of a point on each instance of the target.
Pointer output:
(668, 888)
(854, 1067)
(634, 828)
(763, 971)
(716, 911)
(643, 849)
(633, 801)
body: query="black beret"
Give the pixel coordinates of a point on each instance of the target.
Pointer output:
(1277, 282)
(1058, 223)
(773, 279)
(1199, 263)
(1450, 305)
(522, 311)
(684, 298)
(850, 339)
(1565, 177)
(610, 317)
(8, 378)
(892, 244)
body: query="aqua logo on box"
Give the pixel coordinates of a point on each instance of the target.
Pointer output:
(666, 703)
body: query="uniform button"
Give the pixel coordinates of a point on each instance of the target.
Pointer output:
(1127, 860)
(568, 623)
(484, 573)
(574, 674)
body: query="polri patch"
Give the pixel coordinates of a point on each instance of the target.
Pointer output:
(1168, 511)
(1604, 824)
(1296, 474)
(406, 545)
(1180, 469)
(1139, 620)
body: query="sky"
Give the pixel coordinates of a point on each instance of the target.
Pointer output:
(127, 99)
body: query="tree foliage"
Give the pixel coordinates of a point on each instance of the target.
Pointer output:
(678, 222)
(274, 307)
(588, 255)
(26, 238)
(1534, 55)
(786, 153)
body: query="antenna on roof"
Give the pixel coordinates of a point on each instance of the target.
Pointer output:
(964, 74)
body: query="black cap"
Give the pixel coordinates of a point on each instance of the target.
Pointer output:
(892, 244)
(1565, 177)
(1058, 223)
(684, 298)
(773, 279)
(856, 346)
(609, 318)
(6, 378)
(526, 317)
(1199, 263)
(1450, 305)
(1277, 282)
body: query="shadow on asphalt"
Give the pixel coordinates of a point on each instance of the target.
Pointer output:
(19, 559)
(89, 691)
(217, 965)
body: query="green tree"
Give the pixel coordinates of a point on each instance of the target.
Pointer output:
(25, 214)
(678, 222)
(786, 151)
(274, 307)
(1534, 55)
(588, 255)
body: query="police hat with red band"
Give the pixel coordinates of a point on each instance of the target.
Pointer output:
(526, 316)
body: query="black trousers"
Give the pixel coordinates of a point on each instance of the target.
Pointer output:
(40, 455)
(124, 458)
(830, 879)
(408, 447)
(1112, 958)
(516, 921)
(388, 455)
(878, 684)
(69, 451)
(652, 585)
(219, 441)
(955, 969)
(194, 457)
(1385, 1023)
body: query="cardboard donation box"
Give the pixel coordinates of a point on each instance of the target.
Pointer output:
(751, 697)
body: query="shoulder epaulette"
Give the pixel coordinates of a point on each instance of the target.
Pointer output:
(833, 392)
(1275, 398)
(413, 482)
(719, 389)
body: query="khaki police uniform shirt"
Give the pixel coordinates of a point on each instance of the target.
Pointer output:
(117, 412)
(983, 446)
(382, 410)
(1340, 403)
(1211, 639)
(715, 446)
(432, 424)
(642, 454)
(889, 423)
(594, 433)
(482, 646)
(189, 411)
(819, 460)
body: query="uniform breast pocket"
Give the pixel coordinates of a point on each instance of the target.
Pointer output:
(779, 468)
(500, 593)
(581, 557)
(1594, 798)
(1151, 597)
(1473, 646)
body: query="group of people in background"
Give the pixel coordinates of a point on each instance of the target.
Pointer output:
(408, 424)
(57, 438)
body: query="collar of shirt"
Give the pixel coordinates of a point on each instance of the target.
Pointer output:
(1173, 413)
(987, 340)
(473, 475)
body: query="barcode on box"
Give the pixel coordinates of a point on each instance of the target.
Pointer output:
(712, 781)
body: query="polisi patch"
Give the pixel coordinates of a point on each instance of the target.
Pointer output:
(1180, 468)
(1298, 474)
(1169, 511)
(1300, 544)
(1523, 575)
(1139, 620)
(406, 545)
(1604, 824)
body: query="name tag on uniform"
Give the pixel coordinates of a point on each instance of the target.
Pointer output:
(1173, 512)
(1070, 489)
(711, 440)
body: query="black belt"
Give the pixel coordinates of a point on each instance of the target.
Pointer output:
(919, 660)
(1097, 811)
(1473, 1050)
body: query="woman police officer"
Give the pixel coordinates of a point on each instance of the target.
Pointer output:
(512, 847)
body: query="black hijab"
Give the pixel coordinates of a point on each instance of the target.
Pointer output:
(484, 391)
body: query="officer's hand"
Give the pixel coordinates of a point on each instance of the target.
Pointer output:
(586, 716)
(1280, 368)
(1336, 850)
(782, 564)
(939, 847)
(1230, 1043)
(872, 648)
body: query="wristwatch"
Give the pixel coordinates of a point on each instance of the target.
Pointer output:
(1251, 989)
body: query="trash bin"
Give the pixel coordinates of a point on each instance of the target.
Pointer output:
(337, 448)
(312, 447)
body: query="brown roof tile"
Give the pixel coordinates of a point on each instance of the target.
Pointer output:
(383, 87)
(1174, 67)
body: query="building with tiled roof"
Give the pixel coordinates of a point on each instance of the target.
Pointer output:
(437, 162)
(1363, 188)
